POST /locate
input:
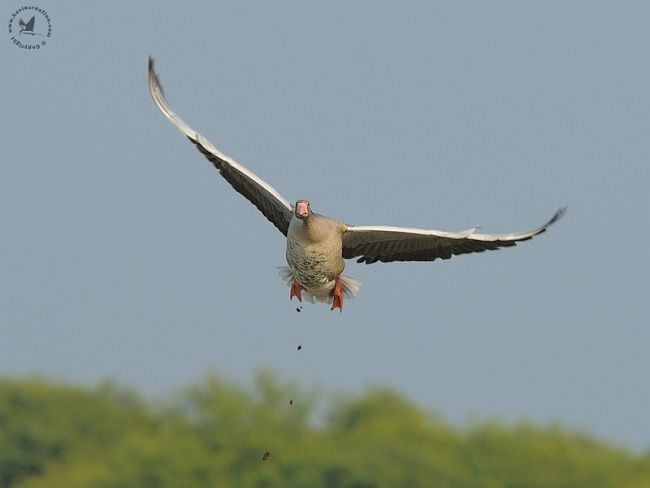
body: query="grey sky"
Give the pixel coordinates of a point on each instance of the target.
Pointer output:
(125, 255)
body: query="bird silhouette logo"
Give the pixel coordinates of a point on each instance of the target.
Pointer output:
(27, 27)
(30, 27)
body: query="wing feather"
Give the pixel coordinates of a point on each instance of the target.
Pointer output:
(384, 243)
(267, 199)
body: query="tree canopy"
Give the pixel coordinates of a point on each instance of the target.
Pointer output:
(217, 434)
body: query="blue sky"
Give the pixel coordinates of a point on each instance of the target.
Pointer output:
(125, 255)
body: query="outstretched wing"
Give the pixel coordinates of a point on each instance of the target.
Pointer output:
(30, 25)
(386, 244)
(274, 206)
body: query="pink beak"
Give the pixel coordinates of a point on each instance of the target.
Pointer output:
(302, 209)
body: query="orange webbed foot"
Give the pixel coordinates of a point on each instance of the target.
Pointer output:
(337, 295)
(296, 290)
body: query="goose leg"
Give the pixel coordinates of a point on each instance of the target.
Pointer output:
(296, 290)
(337, 294)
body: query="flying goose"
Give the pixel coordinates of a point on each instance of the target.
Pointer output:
(317, 245)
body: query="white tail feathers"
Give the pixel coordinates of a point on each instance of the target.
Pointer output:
(285, 274)
(349, 286)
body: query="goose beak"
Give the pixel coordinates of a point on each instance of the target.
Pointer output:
(302, 210)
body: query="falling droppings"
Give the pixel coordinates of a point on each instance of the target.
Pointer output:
(299, 348)
(299, 309)
(266, 456)
(290, 402)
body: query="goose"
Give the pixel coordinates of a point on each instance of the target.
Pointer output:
(317, 246)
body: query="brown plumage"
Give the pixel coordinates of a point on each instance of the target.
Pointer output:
(317, 245)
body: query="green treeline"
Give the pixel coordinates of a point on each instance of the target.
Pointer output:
(216, 434)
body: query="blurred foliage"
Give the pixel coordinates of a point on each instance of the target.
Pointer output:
(216, 433)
